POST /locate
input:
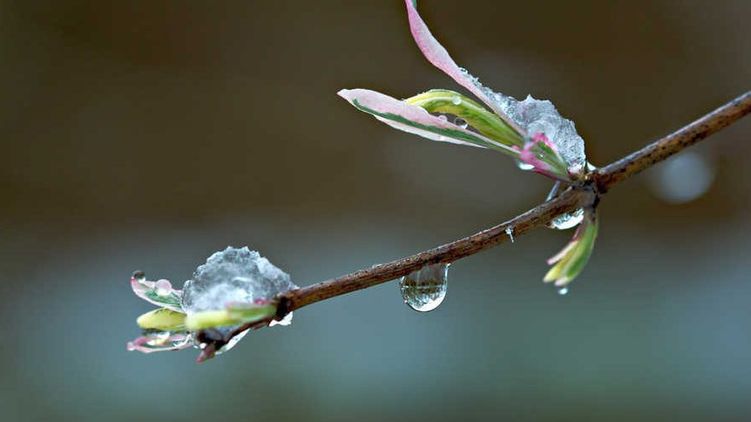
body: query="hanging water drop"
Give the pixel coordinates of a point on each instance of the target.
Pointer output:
(456, 100)
(563, 291)
(443, 117)
(425, 289)
(139, 275)
(460, 122)
(567, 220)
(510, 233)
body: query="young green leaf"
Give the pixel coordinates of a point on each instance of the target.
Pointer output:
(416, 120)
(571, 260)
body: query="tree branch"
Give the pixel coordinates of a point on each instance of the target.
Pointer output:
(576, 196)
(684, 137)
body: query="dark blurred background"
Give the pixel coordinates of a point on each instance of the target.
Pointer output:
(146, 135)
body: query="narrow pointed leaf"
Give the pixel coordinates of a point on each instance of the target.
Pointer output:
(440, 58)
(418, 121)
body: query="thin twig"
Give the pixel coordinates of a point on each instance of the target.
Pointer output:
(569, 201)
(684, 137)
(576, 196)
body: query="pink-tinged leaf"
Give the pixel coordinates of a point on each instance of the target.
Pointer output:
(159, 292)
(440, 58)
(570, 262)
(543, 157)
(418, 121)
(160, 342)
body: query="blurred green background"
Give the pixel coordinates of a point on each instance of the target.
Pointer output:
(146, 135)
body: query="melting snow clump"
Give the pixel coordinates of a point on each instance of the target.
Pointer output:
(233, 275)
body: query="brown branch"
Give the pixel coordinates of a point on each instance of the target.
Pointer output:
(684, 137)
(568, 201)
(576, 196)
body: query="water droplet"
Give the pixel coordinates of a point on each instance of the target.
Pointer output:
(566, 220)
(456, 100)
(163, 287)
(443, 117)
(510, 233)
(524, 166)
(139, 275)
(563, 291)
(460, 122)
(425, 289)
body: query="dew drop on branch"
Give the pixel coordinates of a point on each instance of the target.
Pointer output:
(425, 289)
(510, 233)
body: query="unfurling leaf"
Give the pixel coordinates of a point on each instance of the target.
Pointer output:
(571, 260)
